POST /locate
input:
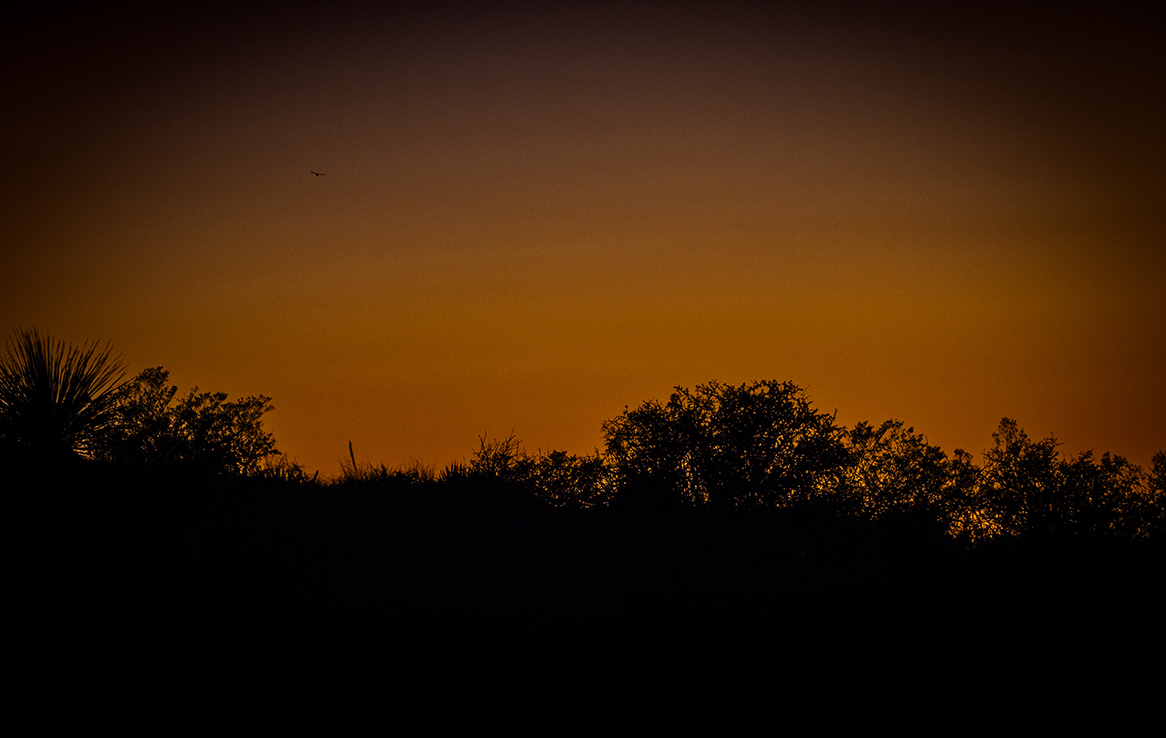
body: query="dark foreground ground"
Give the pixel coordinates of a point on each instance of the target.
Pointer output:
(474, 600)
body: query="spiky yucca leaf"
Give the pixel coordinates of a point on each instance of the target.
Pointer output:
(54, 397)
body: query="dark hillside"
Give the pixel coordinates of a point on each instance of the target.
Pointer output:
(473, 581)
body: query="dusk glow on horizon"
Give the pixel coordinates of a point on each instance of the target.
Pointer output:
(410, 229)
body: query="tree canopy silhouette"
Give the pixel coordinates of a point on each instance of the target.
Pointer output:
(201, 431)
(894, 470)
(760, 444)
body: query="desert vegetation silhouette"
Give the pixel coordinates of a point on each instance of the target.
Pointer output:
(60, 402)
(726, 527)
(758, 446)
(55, 399)
(199, 431)
(763, 446)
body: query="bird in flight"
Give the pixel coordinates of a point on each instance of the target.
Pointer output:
(318, 174)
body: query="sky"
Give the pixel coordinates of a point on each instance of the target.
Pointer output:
(532, 216)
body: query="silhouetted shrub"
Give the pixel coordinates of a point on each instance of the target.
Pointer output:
(568, 480)
(757, 445)
(55, 400)
(503, 460)
(283, 469)
(200, 431)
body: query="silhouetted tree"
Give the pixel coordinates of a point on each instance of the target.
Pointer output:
(1155, 497)
(967, 520)
(141, 429)
(1099, 498)
(894, 470)
(1131, 501)
(199, 431)
(1019, 485)
(761, 444)
(651, 451)
(55, 400)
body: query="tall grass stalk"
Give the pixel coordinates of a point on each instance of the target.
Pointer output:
(353, 472)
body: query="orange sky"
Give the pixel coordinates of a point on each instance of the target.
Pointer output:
(531, 218)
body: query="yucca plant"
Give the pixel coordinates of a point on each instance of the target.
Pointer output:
(55, 398)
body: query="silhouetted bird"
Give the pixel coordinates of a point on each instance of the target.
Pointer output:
(318, 174)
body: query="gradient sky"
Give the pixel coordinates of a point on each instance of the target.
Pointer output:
(534, 216)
